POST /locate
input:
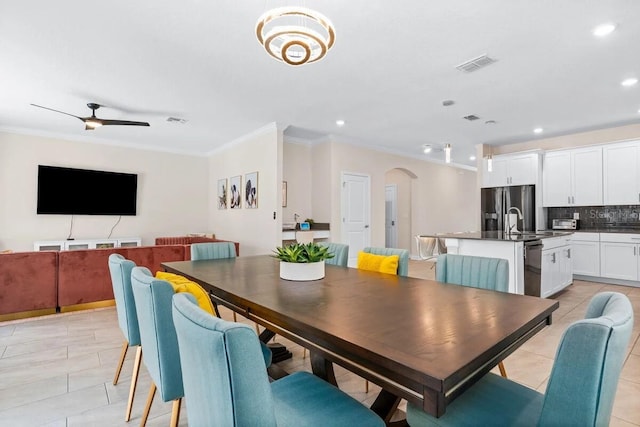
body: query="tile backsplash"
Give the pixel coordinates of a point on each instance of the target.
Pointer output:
(599, 217)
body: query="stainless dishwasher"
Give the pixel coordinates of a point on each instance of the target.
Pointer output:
(532, 267)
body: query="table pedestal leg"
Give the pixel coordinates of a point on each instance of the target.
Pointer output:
(323, 368)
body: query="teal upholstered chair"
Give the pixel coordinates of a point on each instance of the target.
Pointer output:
(226, 385)
(581, 388)
(475, 272)
(403, 262)
(213, 250)
(120, 270)
(340, 253)
(158, 336)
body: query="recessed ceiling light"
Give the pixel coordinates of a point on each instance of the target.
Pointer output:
(604, 30)
(340, 122)
(629, 82)
(426, 148)
(472, 158)
(538, 130)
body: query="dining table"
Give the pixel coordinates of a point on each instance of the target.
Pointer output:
(419, 340)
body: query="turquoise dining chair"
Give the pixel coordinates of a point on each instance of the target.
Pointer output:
(212, 250)
(340, 253)
(158, 335)
(403, 262)
(580, 390)
(120, 270)
(475, 272)
(225, 382)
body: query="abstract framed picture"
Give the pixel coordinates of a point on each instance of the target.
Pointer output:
(222, 193)
(235, 191)
(251, 190)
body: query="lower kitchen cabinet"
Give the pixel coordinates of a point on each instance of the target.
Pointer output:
(619, 260)
(585, 253)
(556, 266)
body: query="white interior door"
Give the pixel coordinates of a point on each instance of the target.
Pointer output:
(391, 216)
(356, 214)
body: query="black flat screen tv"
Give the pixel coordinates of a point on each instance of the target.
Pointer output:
(68, 191)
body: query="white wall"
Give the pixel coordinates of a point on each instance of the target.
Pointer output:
(442, 198)
(297, 172)
(172, 191)
(255, 229)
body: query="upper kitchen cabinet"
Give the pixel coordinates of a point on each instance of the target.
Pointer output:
(513, 169)
(621, 164)
(572, 177)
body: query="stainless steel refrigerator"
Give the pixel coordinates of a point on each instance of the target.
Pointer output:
(496, 201)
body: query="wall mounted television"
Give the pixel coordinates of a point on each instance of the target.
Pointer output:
(67, 191)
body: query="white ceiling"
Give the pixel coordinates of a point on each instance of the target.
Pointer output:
(391, 67)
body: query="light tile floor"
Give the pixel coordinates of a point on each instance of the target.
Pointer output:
(57, 370)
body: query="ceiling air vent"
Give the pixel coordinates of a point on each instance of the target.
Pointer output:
(176, 120)
(475, 64)
(471, 117)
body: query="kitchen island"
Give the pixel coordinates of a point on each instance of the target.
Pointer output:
(539, 263)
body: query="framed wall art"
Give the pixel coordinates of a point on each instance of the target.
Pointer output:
(251, 190)
(235, 191)
(222, 193)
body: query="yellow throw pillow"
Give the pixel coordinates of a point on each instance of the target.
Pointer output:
(382, 263)
(182, 284)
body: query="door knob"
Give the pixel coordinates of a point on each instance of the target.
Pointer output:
(366, 226)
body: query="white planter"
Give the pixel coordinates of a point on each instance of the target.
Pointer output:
(301, 271)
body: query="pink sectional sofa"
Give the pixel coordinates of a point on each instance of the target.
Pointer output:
(35, 283)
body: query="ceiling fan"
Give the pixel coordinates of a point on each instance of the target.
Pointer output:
(94, 122)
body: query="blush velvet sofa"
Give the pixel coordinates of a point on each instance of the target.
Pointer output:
(38, 283)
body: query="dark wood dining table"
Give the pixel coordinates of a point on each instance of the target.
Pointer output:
(418, 339)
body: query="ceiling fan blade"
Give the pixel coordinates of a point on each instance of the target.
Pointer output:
(57, 111)
(123, 123)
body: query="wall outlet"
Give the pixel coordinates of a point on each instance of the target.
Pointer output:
(576, 215)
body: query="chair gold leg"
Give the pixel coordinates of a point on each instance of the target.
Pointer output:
(147, 408)
(257, 330)
(503, 371)
(235, 319)
(175, 412)
(134, 382)
(304, 353)
(123, 354)
(366, 386)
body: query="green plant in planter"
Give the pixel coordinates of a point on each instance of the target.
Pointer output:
(302, 253)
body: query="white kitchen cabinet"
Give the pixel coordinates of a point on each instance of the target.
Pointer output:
(621, 169)
(619, 256)
(556, 266)
(572, 177)
(513, 169)
(585, 251)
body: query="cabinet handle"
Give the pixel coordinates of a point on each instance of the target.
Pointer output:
(569, 253)
(634, 251)
(569, 199)
(573, 200)
(553, 257)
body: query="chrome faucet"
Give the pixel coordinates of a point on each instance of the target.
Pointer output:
(520, 217)
(295, 217)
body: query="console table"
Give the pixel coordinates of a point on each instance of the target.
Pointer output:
(69, 245)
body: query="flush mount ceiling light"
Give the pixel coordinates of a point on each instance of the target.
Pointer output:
(295, 35)
(447, 153)
(340, 122)
(629, 82)
(538, 130)
(604, 30)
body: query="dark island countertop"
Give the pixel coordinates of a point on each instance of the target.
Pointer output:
(501, 236)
